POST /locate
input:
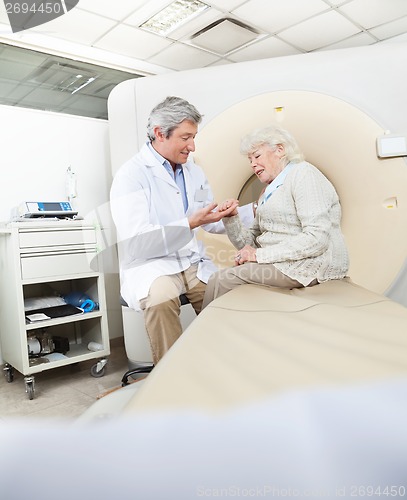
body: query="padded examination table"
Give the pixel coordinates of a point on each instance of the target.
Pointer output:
(255, 341)
(243, 405)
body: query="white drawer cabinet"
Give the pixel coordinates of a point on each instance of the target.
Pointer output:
(35, 266)
(58, 237)
(46, 259)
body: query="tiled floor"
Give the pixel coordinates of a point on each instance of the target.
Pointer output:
(64, 392)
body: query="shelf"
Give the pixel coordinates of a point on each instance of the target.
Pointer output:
(77, 354)
(63, 320)
(50, 279)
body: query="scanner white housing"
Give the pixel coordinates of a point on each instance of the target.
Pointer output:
(336, 113)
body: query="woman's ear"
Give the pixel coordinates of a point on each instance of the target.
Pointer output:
(280, 150)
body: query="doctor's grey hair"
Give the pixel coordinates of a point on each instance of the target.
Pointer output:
(272, 136)
(169, 114)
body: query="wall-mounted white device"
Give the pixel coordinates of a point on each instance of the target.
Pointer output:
(55, 209)
(70, 184)
(391, 145)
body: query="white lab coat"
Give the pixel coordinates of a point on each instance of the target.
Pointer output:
(154, 237)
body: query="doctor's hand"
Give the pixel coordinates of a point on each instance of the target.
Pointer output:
(208, 214)
(245, 254)
(225, 205)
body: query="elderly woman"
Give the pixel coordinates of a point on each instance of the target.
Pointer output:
(296, 239)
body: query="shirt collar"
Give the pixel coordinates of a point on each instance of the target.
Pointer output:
(163, 161)
(277, 182)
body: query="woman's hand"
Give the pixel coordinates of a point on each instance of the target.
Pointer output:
(246, 254)
(226, 205)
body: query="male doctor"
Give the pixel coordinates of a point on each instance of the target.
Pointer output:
(158, 200)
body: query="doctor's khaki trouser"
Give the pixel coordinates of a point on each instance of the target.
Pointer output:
(162, 307)
(251, 273)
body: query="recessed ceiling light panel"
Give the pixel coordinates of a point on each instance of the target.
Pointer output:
(173, 16)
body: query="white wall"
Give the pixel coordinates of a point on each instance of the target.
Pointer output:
(36, 148)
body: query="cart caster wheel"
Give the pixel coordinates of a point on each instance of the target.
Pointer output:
(9, 373)
(96, 372)
(29, 387)
(30, 391)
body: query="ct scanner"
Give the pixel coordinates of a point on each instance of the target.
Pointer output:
(337, 107)
(335, 120)
(337, 127)
(306, 388)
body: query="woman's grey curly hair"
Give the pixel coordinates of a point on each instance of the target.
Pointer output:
(272, 136)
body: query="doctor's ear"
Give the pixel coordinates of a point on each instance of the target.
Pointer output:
(159, 135)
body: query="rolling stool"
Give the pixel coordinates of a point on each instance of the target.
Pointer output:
(136, 340)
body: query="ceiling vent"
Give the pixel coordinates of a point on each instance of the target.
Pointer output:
(224, 36)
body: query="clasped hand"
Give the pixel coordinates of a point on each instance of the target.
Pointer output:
(245, 254)
(213, 213)
(226, 205)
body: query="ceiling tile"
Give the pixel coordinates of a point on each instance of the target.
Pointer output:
(44, 96)
(270, 47)
(371, 13)
(132, 42)
(3, 14)
(390, 29)
(359, 40)
(89, 103)
(6, 86)
(335, 3)
(225, 5)
(220, 62)
(275, 15)
(397, 39)
(118, 11)
(5, 31)
(319, 31)
(19, 92)
(15, 70)
(16, 65)
(78, 26)
(180, 57)
(92, 30)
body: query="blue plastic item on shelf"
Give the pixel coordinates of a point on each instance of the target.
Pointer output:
(80, 299)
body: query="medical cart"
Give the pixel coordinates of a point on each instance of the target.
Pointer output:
(39, 258)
